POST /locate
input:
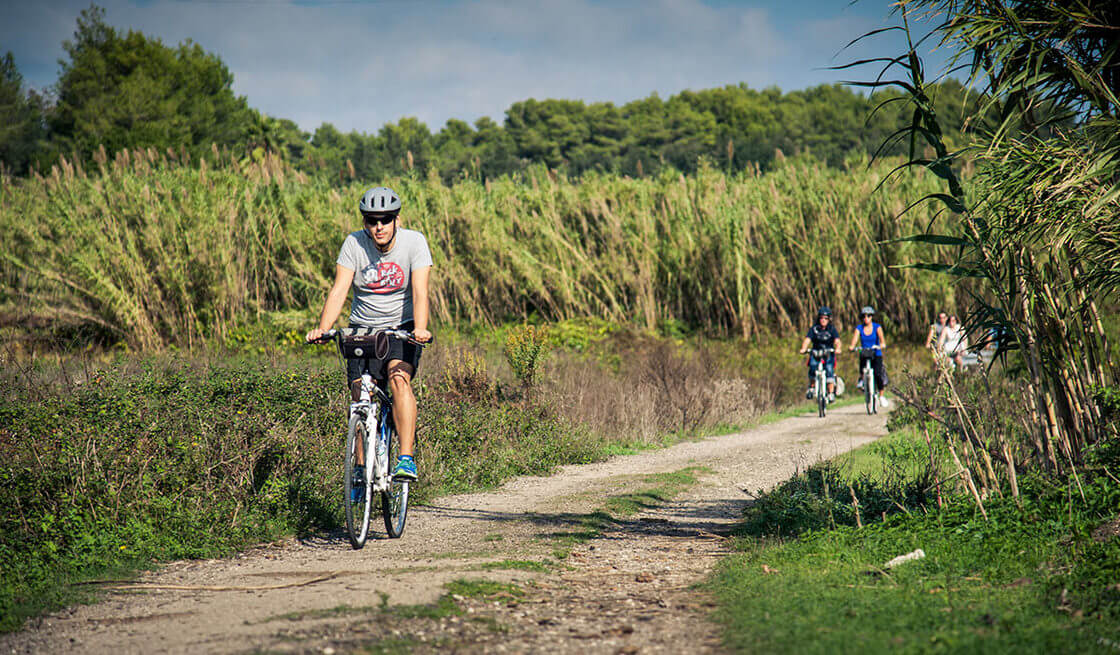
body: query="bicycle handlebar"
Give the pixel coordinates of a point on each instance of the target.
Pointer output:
(819, 352)
(404, 335)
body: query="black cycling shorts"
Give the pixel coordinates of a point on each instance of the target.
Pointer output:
(379, 368)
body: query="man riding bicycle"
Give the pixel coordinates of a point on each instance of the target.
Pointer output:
(388, 268)
(869, 337)
(821, 335)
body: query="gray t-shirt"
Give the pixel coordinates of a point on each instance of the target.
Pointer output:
(383, 280)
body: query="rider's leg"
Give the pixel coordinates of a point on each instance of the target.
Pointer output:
(812, 365)
(404, 403)
(880, 373)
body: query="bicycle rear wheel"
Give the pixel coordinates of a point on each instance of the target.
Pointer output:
(822, 398)
(394, 502)
(356, 500)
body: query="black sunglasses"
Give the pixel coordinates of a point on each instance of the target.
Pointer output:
(383, 219)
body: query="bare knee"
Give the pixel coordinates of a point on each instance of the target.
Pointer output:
(400, 379)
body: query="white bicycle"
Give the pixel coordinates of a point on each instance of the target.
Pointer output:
(371, 429)
(870, 393)
(820, 383)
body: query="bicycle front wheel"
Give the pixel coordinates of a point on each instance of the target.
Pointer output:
(394, 502)
(867, 396)
(822, 398)
(356, 500)
(870, 397)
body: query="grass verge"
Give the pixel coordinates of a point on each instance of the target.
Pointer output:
(1030, 579)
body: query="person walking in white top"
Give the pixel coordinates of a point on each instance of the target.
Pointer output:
(953, 342)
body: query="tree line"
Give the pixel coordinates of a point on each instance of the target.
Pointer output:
(126, 90)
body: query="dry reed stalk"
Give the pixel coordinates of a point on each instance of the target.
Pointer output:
(964, 472)
(933, 465)
(855, 505)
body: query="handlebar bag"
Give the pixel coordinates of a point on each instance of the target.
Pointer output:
(364, 343)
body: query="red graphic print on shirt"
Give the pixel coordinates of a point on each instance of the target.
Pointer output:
(387, 277)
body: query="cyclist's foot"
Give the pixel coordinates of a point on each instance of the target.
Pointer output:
(883, 402)
(358, 485)
(405, 469)
(859, 383)
(831, 397)
(809, 393)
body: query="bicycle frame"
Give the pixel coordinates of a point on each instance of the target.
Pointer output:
(376, 407)
(373, 412)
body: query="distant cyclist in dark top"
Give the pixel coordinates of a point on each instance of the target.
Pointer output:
(823, 334)
(869, 334)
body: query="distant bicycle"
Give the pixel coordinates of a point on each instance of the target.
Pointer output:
(820, 380)
(371, 429)
(870, 393)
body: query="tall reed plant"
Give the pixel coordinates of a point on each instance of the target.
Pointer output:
(152, 250)
(1038, 228)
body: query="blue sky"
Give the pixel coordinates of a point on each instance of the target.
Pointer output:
(361, 63)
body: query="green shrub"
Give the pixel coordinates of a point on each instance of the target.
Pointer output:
(160, 459)
(526, 353)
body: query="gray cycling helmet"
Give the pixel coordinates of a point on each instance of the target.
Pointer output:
(824, 311)
(380, 200)
(867, 309)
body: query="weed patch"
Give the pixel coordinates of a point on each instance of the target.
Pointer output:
(516, 565)
(483, 588)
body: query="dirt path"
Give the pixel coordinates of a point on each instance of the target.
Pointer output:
(577, 581)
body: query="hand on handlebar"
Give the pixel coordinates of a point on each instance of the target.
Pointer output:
(318, 336)
(422, 336)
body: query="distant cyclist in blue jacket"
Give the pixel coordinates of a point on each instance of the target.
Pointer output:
(869, 334)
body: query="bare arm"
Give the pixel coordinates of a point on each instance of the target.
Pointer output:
(855, 338)
(805, 345)
(420, 303)
(882, 339)
(336, 298)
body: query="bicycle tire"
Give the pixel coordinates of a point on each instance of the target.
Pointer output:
(866, 389)
(394, 502)
(357, 514)
(822, 398)
(874, 409)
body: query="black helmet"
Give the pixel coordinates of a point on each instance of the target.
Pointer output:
(867, 309)
(824, 311)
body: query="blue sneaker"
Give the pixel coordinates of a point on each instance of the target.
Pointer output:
(405, 469)
(358, 485)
